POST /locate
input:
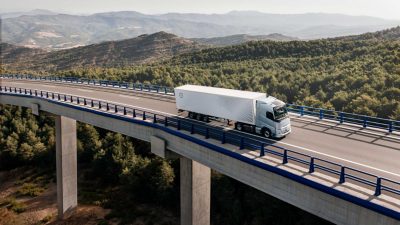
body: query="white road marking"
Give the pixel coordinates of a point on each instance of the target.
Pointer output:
(348, 128)
(45, 85)
(128, 96)
(13, 82)
(84, 90)
(324, 154)
(341, 159)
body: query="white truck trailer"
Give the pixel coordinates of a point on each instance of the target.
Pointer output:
(251, 111)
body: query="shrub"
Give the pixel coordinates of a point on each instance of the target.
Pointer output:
(30, 189)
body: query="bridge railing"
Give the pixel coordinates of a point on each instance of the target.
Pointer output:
(341, 117)
(105, 83)
(269, 151)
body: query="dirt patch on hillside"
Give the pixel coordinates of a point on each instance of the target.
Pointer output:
(18, 209)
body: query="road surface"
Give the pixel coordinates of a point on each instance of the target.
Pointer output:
(356, 148)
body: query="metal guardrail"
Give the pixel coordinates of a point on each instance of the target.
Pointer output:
(105, 83)
(342, 173)
(341, 117)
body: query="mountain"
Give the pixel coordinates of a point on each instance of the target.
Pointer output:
(64, 31)
(61, 31)
(241, 38)
(304, 26)
(10, 54)
(349, 46)
(29, 13)
(161, 46)
(139, 50)
(255, 18)
(388, 34)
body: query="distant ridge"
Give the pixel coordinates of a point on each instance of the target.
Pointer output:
(242, 38)
(388, 34)
(56, 31)
(143, 49)
(28, 13)
(160, 46)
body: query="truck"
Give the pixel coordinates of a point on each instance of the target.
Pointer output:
(251, 111)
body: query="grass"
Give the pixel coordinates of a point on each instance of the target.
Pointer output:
(14, 205)
(46, 219)
(30, 189)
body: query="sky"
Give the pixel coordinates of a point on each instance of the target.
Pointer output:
(388, 9)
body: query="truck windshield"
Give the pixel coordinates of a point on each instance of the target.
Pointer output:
(280, 112)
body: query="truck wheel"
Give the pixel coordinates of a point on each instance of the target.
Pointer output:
(239, 126)
(199, 117)
(206, 119)
(266, 133)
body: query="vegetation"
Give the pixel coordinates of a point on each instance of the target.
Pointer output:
(353, 76)
(14, 205)
(30, 189)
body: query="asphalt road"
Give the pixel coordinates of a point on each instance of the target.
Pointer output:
(354, 147)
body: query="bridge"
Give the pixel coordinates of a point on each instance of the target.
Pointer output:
(341, 167)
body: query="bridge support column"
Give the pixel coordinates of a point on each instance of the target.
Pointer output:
(66, 154)
(195, 192)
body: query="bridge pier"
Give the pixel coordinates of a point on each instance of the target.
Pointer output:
(195, 192)
(66, 154)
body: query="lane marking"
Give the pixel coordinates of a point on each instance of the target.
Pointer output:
(341, 159)
(47, 85)
(84, 90)
(320, 153)
(348, 128)
(128, 96)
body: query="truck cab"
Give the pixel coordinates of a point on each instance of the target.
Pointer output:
(272, 119)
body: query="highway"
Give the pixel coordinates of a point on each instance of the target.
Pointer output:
(373, 153)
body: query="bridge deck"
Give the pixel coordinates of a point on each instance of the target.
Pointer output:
(373, 153)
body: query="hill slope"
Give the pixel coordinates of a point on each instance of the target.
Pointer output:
(11, 54)
(139, 50)
(353, 45)
(388, 34)
(241, 38)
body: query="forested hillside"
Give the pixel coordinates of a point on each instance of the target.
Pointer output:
(388, 34)
(241, 38)
(353, 76)
(10, 54)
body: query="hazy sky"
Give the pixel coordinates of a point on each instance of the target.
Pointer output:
(389, 9)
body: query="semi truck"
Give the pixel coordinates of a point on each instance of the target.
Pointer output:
(251, 111)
